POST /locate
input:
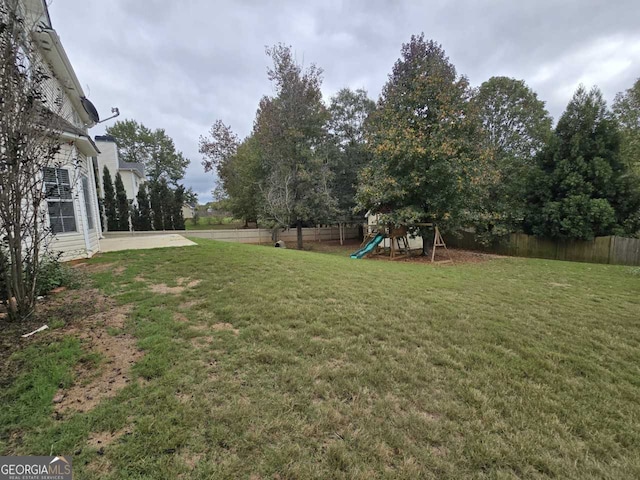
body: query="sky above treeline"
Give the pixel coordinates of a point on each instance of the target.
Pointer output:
(180, 65)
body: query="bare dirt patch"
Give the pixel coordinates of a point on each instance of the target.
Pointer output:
(559, 285)
(190, 304)
(164, 289)
(119, 353)
(104, 439)
(455, 257)
(225, 326)
(191, 459)
(183, 284)
(179, 317)
(94, 267)
(119, 270)
(69, 307)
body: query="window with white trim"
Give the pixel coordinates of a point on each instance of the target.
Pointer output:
(87, 201)
(57, 186)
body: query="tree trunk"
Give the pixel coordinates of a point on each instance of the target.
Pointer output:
(427, 241)
(299, 231)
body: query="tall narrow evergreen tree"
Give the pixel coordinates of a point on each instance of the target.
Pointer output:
(626, 108)
(166, 199)
(122, 205)
(110, 210)
(178, 202)
(155, 196)
(141, 218)
(581, 187)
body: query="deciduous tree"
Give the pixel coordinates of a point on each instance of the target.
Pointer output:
(29, 142)
(153, 148)
(291, 129)
(425, 141)
(516, 126)
(348, 111)
(238, 168)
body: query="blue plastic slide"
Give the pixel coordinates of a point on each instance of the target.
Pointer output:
(368, 248)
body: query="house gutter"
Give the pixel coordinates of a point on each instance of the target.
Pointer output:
(84, 144)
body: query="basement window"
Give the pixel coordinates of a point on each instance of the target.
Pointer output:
(57, 186)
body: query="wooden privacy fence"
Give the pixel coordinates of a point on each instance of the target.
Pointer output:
(256, 235)
(613, 250)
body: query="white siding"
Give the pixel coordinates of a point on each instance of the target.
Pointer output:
(73, 244)
(108, 157)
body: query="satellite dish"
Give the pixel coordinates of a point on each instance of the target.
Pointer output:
(90, 109)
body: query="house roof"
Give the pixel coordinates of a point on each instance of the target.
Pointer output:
(69, 131)
(105, 138)
(135, 167)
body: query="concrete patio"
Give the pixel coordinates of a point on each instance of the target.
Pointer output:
(113, 243)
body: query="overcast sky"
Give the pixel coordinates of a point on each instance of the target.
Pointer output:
(181, 65)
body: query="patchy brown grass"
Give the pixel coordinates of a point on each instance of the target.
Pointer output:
(118, 351)
(183, 284)
(104, 439)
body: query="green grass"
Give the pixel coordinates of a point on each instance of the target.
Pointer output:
(513, 368)
(213, 223)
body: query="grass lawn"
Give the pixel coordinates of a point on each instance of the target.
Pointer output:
(269, 363)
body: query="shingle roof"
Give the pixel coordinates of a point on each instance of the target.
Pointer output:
(139, 167)
(56, 122)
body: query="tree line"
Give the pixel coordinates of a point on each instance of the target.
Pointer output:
(432, 149)
(160, 199)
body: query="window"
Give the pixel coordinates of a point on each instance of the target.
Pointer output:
(87, 201)
(59, 200)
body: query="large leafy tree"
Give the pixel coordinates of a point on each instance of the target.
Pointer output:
(291, 130)
(580, 187)
(153, 148)
(348, 111)
(516, 126)
(424, 136)
(237, 165)
(626, 108)
(242, 175)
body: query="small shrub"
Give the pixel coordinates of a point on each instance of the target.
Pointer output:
(53, 274)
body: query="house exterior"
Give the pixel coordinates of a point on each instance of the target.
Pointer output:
(187, 211)
(70, 183)
(132, 173)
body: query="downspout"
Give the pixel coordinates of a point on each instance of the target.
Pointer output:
(133, 188)
(96, 207)
(83, 208)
